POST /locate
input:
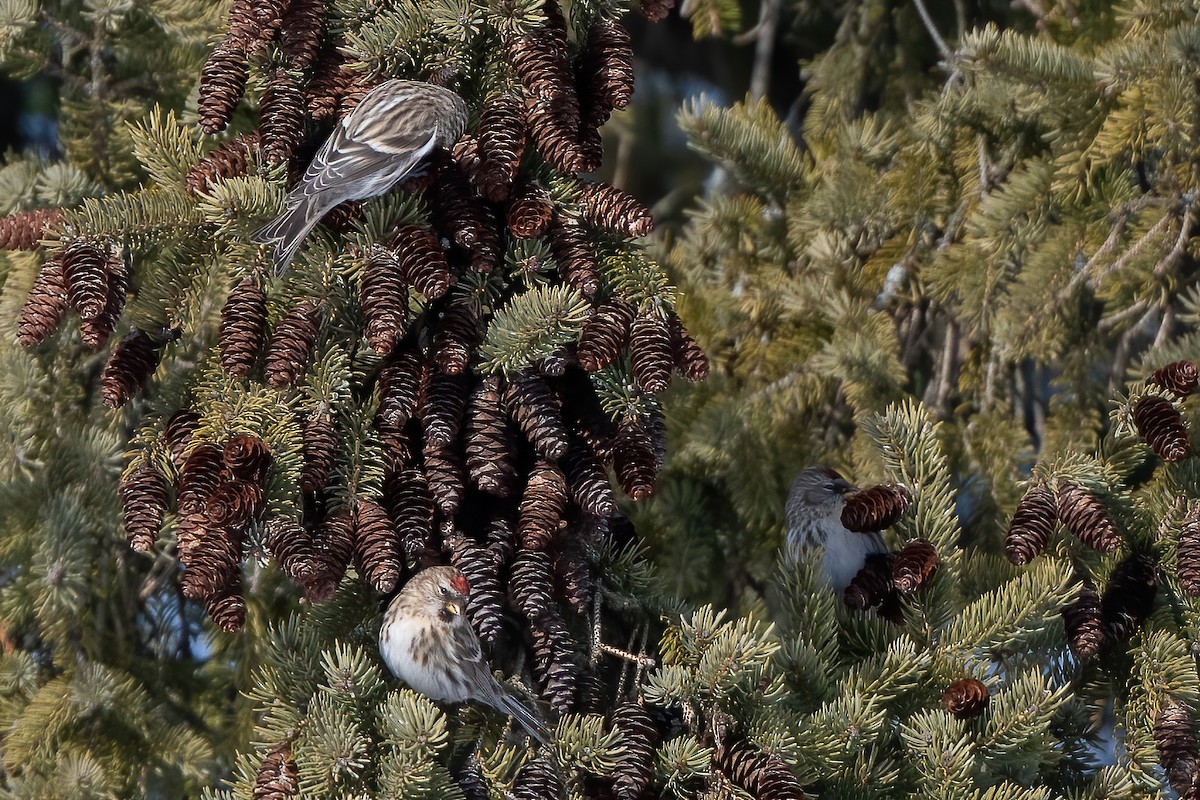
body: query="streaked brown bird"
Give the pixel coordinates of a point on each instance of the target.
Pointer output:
(814, 524)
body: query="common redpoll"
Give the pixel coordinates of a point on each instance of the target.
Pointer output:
(814, 520)
(384, 140)
(427, 641)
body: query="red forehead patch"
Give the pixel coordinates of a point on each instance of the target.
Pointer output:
(459, 584)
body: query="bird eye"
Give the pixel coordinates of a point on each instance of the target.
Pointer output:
(446, 591)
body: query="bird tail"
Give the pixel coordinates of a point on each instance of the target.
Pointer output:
(529, 720)
(287, 231)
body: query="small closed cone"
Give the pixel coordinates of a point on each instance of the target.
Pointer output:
(46, 305)
(762, 775)
(914, 566)
(1161, 425)
(243, 328)
(876, 508)
(1175, 739)
(291, 345)
(1085, 517)
(871, 585)
(1187, 553)
(966, 698)
(128, 368)
(277, 777)
(634, 769)
(1179, 378)
(1083, 620)
(143, 495)
(650, 352)
(1032, 524)
(376, 546)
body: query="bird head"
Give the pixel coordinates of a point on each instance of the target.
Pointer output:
(820, 489)
(442, 590)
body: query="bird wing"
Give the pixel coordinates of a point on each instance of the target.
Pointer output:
(344, 161)
(465, 650)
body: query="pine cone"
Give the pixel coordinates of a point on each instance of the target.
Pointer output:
(762, 775)
(485, 606)
(45, 306)
(466, 154)
(446, 479)
(529, 212)
(607, 207)
(461, 217)
(1129, 597)
(489, 442)
(222, 84)
(1085, 516)
(455, 335)
(376, 549)
(574, 577)
(243, 328)
(576, 261)
(605, 71)
(541, 61)
(301, 33)
(291, 345)
(689, 358)
(539, 779)
(442, 408)
(635, 460)
(650, 353)
(384, 300)
(1161, 425)
(85, 269)
(234, 503)
(333, 547)
(914, 566)
(212, 559)
(1032, 524)
(128, 369)
(871, 585)
(634, 768)
(501, 145)
(143, 495)
(227, 607)
(605, 335)
(1178, 377)
(422, 262)
(655, 10)
(229, 159)
(1176, 740)
(320, 449)
(532, 584)
(554, 664)
(588, 481)
(291, 544)
(247, 457)
(1083, 622)
(277, 776)
(95, 332)
(178, 432)
(198, 478)
(399, 387)
(281, 116)
(332, 82)
(1187, 553)
(534, 407)
(542, 506)
(586, 419)
(254, 23)
(24, 230)
(875, 509)
(410, 505)
(471, 780)
(966, 698)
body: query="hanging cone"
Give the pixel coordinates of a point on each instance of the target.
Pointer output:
(243, 328)
(422, 263)
(605, 335)
(1032, 524)
(46, 305)
(254, 23)
(291, 544)
(1083, 622)
(212, 561)
(588, 481)
(1179, 378)
(442, 407)
(875, 509)
(227, 608)
(634, 769)
(247, 457)
(291, 345)
(234, 503)
(1187, 553)
(1129, 597)
(333, 547)
(966, 698)
(690, 359)
(489, 442)
(574, 576)
(460, 216)
(529, 212)
(650, 353)
(605, 71)
(399, 387)
(277, 777)
(555, 667)
(376, 549)
(178, 432)
(485, 607)
(1085, 516)
(23, 231)
(1178, 746)
(320, 449)
(410, 505)
(229, 159)
(301, 33)
(222, 84)
(199, 475)
(914, 566)
(537, 411)
(542, 506)
(95, 332)
(85, 269)
(501, 145)
(446, 479)
(384, 300)
(532, 584)
(128, 369)
(540, 778)
(762, 775)
(1160, 424)
(331, 84)
(573, 254)
(607, 207)
(281, 116)
(635, 460)
(871, 585)
(455, 335)
(143, 496)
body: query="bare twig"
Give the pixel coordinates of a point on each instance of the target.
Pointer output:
(760, 75)
(938, 41)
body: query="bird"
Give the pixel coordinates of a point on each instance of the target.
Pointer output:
(814, 521)
(385, 139)
(427, 641)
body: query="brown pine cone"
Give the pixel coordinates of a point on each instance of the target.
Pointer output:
(320, 449)
(446, 479)
(871, 585)
(543, 504)
(291, 345)
(234, 503)
(247, 457)
(128, 369)
(635, 460)
(1161, 425)
(376, 549)
(460, 216)
(333, 547)
(281, 116)
(537, 411)
(586, 419)
(1032, 524)
(689, 358)
(531, 582)
(574, 575)
(914, 566)
(576, 261)
(605, 335)
(1176, 740)
(227, 607)
(85, 269)
(384, 300)
(587, 481)
(222, 84)
(291, 544)
(331, 82)
(762, 775)
(605, 72)
(178, 432)
(143, 495)
(1178, 377)
(1187, 553)
(634, 768)
(1128, 598)
(966, 698)
(1083, 622)
(410, 505)
(301, 33)
(490, 447)
(277, 776)
(555, 667)
(875, 509)
(542, 62)
(655, 10)
(243, 328)
(501, 145)
(95, 332)
(229, 159)
(1086, 517)
(455, 336)
(399, 386)
(464, 153)
(199, 475)
(540, 778)
(23, 231)
(529, 212)
(650, 353)
(607, 207)
(485, 606)
(254, 23)
(212, 560)
(45, 306)
(422, 262)
(442, 407)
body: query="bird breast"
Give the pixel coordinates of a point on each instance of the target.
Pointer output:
(417, 655)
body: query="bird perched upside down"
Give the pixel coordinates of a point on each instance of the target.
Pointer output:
(385, 139)
(814, 520)
(427, 641)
